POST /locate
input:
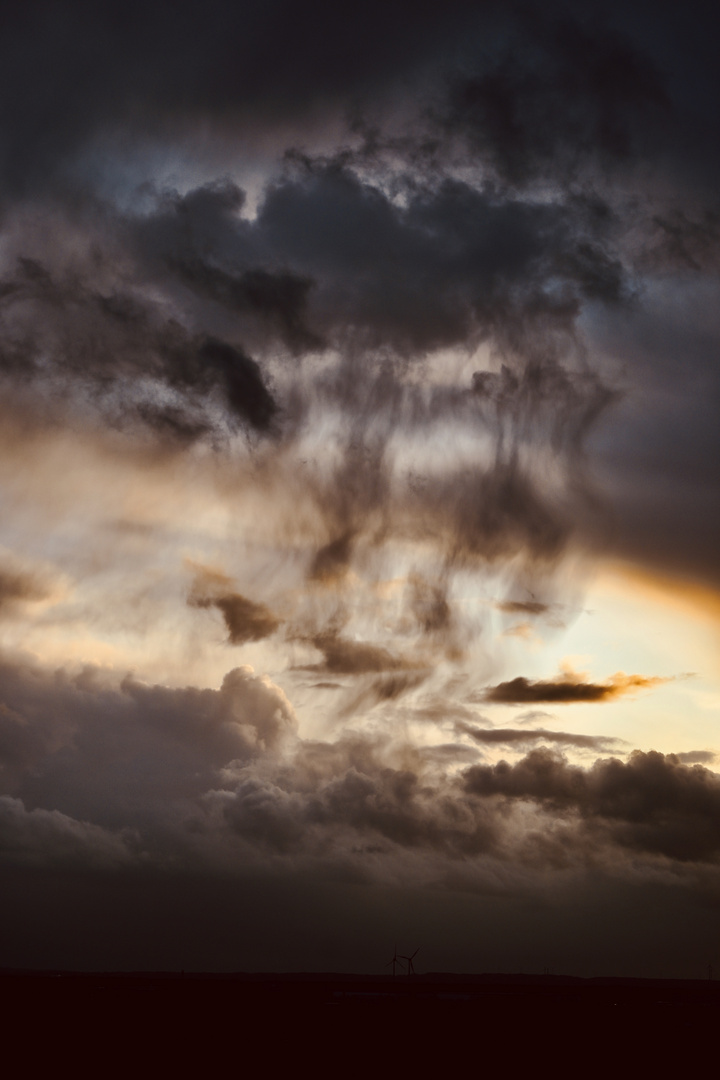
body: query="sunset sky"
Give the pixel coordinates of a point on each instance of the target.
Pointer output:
(360, 476)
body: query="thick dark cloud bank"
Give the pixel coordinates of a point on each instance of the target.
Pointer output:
(330, 249)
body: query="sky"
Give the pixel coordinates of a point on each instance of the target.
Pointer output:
(359, 476)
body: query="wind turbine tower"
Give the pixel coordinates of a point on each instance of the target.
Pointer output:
(395, 960)
(409, 961)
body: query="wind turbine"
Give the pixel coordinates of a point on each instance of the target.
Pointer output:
(409, 959)
(395, 960)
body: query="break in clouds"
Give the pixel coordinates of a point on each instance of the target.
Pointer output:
(419, 309)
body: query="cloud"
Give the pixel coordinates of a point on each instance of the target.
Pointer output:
(19, 586)
(523, 607)
(525, 736)
(429, 605)
(697, 757)
(390, 314)
(331, 562)
(101, 775)
(244, 619)
(567, 688)
(606, 100)
(652, 803)
(83, 325)
(68, 740)
(277, 298)
(346, 657)
(46, 838)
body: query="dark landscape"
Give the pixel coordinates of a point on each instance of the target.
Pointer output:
(433, 1019)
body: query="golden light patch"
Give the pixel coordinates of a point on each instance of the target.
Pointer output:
(687, 597)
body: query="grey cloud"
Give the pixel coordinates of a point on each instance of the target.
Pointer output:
(518, 182)
(525, 736)
(145, 71)
(559, 93)
(331, 561)
(429, 605)
(278, 298)
(533, 716)
(374, 803)
(66, 741)
(346, 657)
(100, 775)
(384, 688)
(46, 838)
(60, 326)
(696, 757)
(18, 586)
(452, 265)
(680, 241)
(244, 619)
(449, 264)
(652, 803)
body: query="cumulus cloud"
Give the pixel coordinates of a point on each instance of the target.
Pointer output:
(67, 740)
(155, 760)
(46, 838)
(652, 803)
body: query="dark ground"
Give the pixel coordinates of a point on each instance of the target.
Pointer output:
(331, 1024)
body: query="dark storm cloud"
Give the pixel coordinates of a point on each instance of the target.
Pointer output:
(685, 242)
(332, 254)
(70, 73)
(520, 178)
(560, 92)
(525, 736)
(535, 88)
(387, 806)
(46, 838)
(448, 265)
(57, 325)
(565, 689)
(277, 298)
(652, 803)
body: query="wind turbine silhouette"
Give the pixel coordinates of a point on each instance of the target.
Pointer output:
(409, 959)
(395, 960)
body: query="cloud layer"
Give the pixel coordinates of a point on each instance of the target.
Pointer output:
(332, 343)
